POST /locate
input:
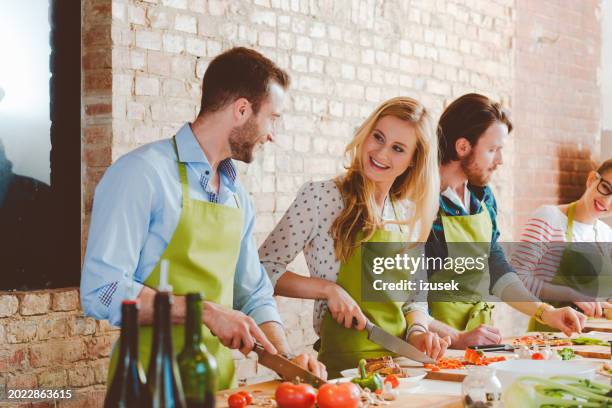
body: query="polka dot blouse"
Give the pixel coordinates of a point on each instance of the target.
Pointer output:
(305, 227)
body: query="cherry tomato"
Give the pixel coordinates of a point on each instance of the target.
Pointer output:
(537, 356)
(236, 401)
(345, 395)
(247, 395)
(392, 379)
(289, 395)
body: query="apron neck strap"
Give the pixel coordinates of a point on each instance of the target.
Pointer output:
(571, 209)
(182, 175)
(396, 213)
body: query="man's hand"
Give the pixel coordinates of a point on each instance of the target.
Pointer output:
(343, 307)
(565, 319)
(430, 343)
(234, 329)
(479, 336)
(311, 364)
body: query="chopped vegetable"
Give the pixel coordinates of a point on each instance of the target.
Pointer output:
(537, 356)
(473, 356)
(588, 341)
(247, 396)
(566, 353)
(373, 381)
(391, 379)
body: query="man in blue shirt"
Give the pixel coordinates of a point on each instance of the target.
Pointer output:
(179, 199)
(472, 132)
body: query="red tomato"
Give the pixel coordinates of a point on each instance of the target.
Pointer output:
(236, 400)
(345, 395)
(537, 356)
(392, 379)
(289, 395)
(247, 395)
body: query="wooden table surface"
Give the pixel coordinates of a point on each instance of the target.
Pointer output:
(264, 392)
(602, 325)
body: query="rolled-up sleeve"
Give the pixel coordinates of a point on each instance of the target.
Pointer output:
(120, 216)
(253, 291)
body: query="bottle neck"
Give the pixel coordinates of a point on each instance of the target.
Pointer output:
(129, 331)
(193, 324)
(162, 330)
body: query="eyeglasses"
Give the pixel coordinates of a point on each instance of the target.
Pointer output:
(603, 186)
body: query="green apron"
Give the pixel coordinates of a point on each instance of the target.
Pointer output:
(342, 348)
(595, 275)
(472, 233)
(203, 253)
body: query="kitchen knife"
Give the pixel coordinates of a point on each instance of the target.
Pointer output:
(286, 368)
(395, 344)
(494, 347)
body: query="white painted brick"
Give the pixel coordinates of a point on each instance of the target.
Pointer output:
(201, 66)
(348, 72)
(283, 22)
(335, 33)
(267, 39)
(199, 6)
(137, 60)
(173, 87)
(301, 143)
(299, 63)
(229, 31)
(247, 34)
(159, 18)
(146, 86)
(118, 11)
(217, 7)
(315, 65)
(136, 15)
(336, 108)
(213, 48)
(319, 106)
(123, 84)
(186, 23)
(372, 93)
(179, 4)
(196, 46)
(149, 40)
(298, 123)
(367, 56)
(267, 18)
(317, 30)
(286, 41)
(303, 44)
(135, 111)
(173, 43)
(321, 48)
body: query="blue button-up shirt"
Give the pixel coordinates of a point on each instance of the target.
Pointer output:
(136, 209)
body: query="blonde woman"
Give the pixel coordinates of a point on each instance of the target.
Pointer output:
(389, 193)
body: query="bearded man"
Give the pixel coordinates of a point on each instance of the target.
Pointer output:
(472, 132)
(178, 199)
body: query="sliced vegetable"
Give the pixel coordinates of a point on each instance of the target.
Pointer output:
(373, 382)
(391, 379)
(473, 356)
(345, 395)
(566, 353)
(247, 395)
(588, 341)
(289, 395)
(537, 356)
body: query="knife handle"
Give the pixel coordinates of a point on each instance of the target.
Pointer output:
(368, 326)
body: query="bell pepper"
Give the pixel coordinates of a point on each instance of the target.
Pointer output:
(373, 382)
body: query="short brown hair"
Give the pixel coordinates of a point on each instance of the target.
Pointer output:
(604, 167)
(467, 117)
(239, 73)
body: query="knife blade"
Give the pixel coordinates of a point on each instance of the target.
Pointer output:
(494, 347)
(395, 344)
(286, 368)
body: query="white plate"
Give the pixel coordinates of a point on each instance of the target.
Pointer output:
(510, 370)
(414, 375)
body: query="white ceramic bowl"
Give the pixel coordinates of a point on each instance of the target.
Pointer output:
(510, 370)
(413, 375)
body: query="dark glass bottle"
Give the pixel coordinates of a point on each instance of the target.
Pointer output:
(197, 366)
(164, 384)
(127, 388)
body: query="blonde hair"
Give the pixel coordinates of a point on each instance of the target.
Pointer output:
(420, 183)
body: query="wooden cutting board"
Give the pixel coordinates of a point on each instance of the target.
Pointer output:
(602, 325)
(593, 351)
(262, 391)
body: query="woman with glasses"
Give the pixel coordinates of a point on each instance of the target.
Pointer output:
(564, 250)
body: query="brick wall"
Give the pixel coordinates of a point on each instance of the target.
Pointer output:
(46, 342)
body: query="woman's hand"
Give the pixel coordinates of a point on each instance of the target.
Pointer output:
(430, 343)
(565, 319)
(343, 307)
(480, 336)
(593, 309)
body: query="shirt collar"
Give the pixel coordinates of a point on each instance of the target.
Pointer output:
(189, 151)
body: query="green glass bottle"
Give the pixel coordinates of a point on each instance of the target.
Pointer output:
(197, 366)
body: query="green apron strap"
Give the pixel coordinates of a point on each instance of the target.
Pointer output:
(396, 213)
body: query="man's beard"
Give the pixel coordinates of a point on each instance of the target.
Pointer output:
(243, 139)
(475, 174)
